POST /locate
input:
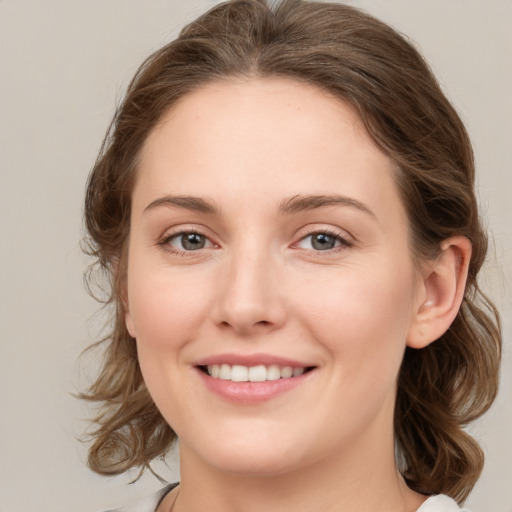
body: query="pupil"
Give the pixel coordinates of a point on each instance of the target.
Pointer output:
(323, 242)
(192, 241)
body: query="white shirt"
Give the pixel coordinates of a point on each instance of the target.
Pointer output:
(439, 503)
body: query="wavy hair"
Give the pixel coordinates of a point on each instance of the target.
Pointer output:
(364, 62)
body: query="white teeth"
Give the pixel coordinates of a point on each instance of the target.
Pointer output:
(273, 372)
(225, 372)
(239, 373)
(259, 373)
(214, 370)
(286, 372)
(298, 371)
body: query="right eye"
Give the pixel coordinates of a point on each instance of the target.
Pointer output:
(186, 241)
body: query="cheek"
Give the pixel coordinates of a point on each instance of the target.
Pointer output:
(167, 312)
(362, 315)
(165, 309)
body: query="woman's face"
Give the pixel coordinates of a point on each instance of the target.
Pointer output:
(270, 282)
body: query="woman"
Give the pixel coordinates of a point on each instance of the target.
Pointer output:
(285, 207)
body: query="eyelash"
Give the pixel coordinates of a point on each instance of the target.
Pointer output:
(344, 242)
(165, 241)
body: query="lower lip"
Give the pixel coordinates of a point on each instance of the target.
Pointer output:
(251, 392)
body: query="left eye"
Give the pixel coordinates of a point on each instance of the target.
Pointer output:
(188, 241)
(321, 241)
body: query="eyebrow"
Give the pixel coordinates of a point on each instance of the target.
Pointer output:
(188, 202)
(310, 202)
(288, 206)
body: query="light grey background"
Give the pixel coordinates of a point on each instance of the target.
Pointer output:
(64, 64)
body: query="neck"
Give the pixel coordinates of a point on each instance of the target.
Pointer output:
(357, 482)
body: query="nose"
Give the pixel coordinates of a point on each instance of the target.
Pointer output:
(250, 298)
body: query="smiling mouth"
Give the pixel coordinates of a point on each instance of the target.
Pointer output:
(258, 373)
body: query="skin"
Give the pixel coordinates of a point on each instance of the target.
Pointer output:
(259, 286)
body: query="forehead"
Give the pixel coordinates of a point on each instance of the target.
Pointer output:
(262, 138)
(264, 109)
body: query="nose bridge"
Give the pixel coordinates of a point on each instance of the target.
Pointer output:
(250, 296)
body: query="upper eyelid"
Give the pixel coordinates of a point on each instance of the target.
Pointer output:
(177, 234)
(301, 234)
(165, 243)
(328, 231)
(166, 238)
(343, 234)
(184, 228)
(345, 242)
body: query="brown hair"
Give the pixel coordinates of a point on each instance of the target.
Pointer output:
(362, 61)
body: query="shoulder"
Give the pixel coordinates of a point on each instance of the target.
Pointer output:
(147, 504)
(441, 503)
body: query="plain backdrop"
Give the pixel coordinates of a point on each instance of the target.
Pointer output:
(64, 65)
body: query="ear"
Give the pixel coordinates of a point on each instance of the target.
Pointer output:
(129, 323)
(442, 289)
(119, 270)
(128, 320)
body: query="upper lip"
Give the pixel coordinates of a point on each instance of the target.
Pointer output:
(251, 360)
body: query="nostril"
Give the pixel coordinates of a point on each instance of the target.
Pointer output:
(263, 323)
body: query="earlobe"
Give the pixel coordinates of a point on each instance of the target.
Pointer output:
(128, 320)
(129, 324)
(443, 288)
(119, 271)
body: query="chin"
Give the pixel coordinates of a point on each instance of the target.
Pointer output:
(256, 464)
(253, 456)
